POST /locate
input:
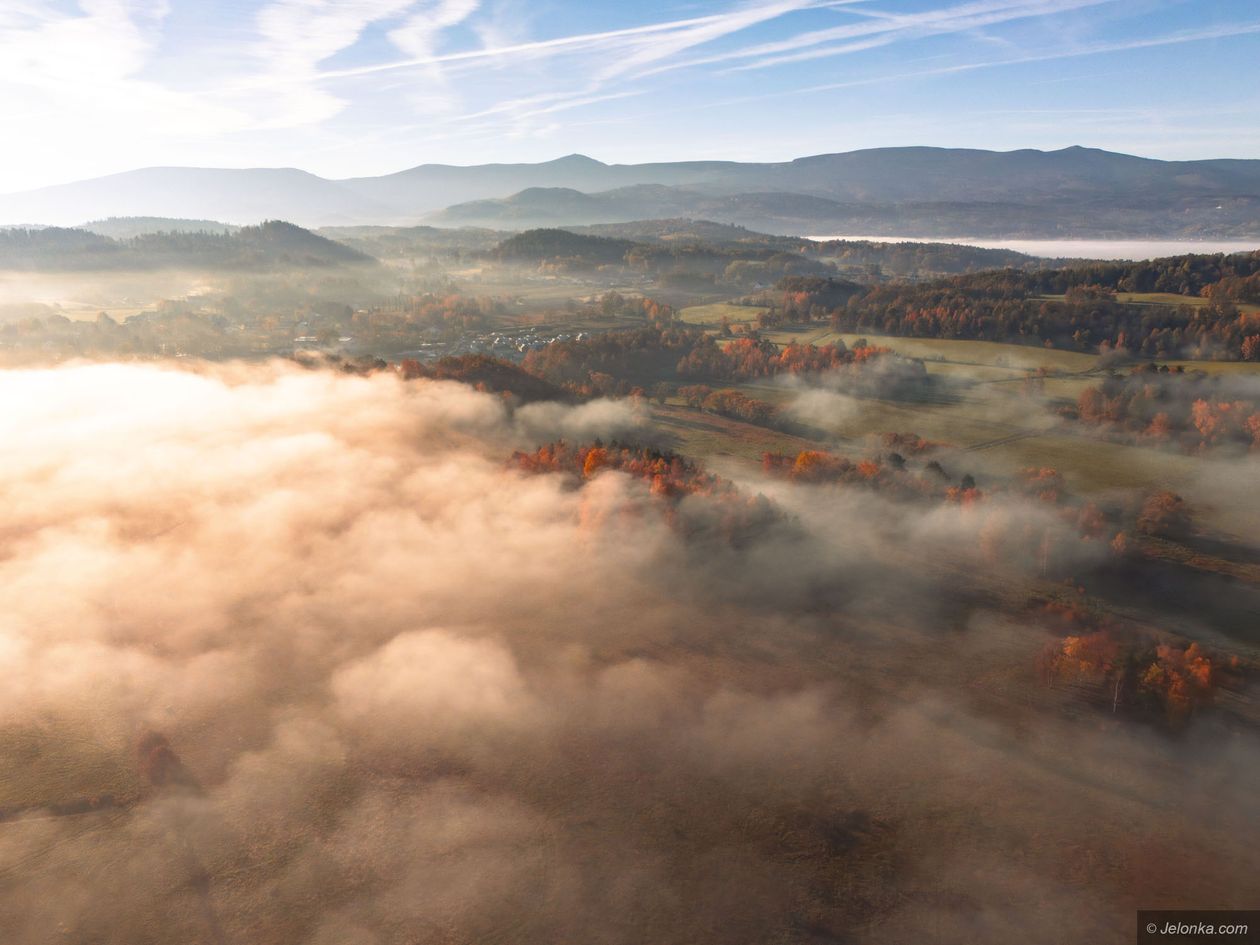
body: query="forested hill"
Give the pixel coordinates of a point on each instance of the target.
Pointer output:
(655, 245)
(1192, 307)
(1220, 276)
(701, 264)
(270, 245)
(683, 230)
(915, 257)
(547, 244)
(124, 228)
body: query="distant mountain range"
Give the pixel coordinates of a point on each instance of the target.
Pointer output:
(933, 192)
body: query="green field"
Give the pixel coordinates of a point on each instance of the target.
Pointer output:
(1170, 298)
(713, 314)
(1017, 358)
(986, 432)
(983, 412)
(1218, 367)
(1164, 298)
(707, 436)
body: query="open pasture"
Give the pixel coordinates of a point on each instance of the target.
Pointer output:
(714, 313)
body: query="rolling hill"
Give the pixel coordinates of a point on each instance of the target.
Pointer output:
(125, 228)
(536, 245)
(271, 245)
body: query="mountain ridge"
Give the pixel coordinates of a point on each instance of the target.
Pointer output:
(928, 190)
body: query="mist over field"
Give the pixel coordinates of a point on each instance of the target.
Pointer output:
(333, 672)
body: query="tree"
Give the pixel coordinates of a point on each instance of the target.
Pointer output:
(1165, 514)
(596, 459)
(1182, 680)
(694, 394)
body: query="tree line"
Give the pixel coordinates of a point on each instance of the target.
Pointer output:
(1191, 410)
(725, 512)
(1073, 308)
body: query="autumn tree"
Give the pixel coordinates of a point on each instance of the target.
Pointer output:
(1182, 680)
(1166, 515)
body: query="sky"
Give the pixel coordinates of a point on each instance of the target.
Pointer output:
(347, 88)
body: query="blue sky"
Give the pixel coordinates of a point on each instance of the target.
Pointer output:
(357, 87)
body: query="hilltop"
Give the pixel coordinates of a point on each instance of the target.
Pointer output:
(123, 228)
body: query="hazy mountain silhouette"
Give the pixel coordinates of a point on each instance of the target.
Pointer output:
(1074, 191)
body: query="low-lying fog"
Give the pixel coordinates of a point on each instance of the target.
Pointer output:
(326, 670)
(84, 295)
(1074, 249)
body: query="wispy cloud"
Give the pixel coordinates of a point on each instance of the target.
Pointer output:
(1090, 49)
(619, 54)
(108, 41)
(420, 33)
(644, 52)
(882, 28)
(86, 68)
(548, 104)
(663, 46)
(966, 19)
(297, 35)
(592, 41)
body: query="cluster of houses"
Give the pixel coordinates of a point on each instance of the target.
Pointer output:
(506, 344)
(509, 344)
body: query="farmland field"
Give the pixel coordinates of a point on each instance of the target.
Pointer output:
(1169, 298)
(1166, 299)
(985, 377)
(983, 410)
(1017, 358)
(714, 313)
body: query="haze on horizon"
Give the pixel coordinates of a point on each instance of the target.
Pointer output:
(371, 86)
